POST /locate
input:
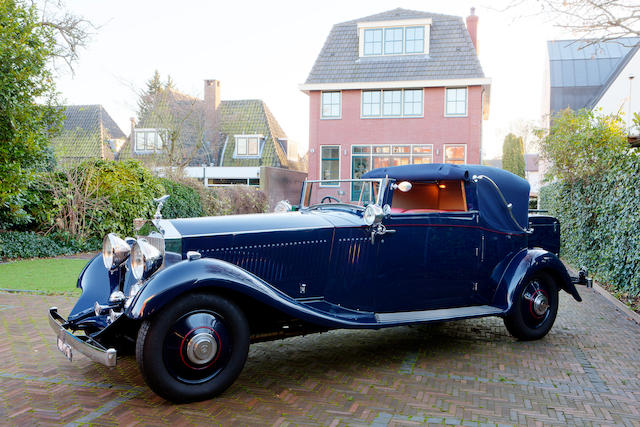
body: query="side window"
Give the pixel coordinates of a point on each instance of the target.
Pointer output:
(426, 197)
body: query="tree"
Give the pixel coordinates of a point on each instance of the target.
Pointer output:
(594, 21)
(583, 144)
(29, 45)
(513, 154)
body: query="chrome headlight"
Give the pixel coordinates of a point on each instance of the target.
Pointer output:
(145, 259)
(282, 206)
(114, 251)
(373, 215)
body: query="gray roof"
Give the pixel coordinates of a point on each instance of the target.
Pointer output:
(580, 74)
(451, 53)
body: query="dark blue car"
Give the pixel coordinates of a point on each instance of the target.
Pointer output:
(403, 245)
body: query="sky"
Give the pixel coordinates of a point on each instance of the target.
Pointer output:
(265, 49)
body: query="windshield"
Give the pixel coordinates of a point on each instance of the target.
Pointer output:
(354, 192)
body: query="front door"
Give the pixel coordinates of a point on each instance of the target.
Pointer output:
(429, 262)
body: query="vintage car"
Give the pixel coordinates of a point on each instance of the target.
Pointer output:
(402, 245)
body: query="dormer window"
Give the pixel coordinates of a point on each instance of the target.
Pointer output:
(403, 37)
(247, 145)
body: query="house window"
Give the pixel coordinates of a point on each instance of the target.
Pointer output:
(392, 103)
(367, 157)
(147, 140)
(455, 154)
(331, 104)
(413, 102)
(373, 42)
(414, 40)
(247, 145)
(393, 38)
(371, 103)
(456, 101)
(330, 164)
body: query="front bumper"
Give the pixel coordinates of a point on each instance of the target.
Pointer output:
(81, 343)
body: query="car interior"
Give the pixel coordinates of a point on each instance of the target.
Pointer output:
(426, 197)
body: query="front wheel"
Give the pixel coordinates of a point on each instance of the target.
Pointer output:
(534, 309)
(194, 348)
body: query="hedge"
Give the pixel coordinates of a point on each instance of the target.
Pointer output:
(27, 244)
(600, 222)
(184, 201)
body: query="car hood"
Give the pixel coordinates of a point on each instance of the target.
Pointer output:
(238, 224)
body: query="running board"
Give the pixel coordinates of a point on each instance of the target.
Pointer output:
(440, 314)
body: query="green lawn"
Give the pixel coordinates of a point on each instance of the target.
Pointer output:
(49, 275)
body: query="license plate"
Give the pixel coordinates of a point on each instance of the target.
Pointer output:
(65, 348)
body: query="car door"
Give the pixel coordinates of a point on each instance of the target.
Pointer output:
(428, 261)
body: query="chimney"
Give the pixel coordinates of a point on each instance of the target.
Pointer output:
(211, 105)
(132, 135)
(472, 27)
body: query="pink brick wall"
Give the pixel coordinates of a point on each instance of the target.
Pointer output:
(434, 128)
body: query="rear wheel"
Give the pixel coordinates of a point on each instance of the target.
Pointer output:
(534, 309)
(194, 348)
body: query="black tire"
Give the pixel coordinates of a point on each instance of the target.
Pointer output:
(194, 348)
(525, 320)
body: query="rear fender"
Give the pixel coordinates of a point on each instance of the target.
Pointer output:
(524, 265)
(211, 274)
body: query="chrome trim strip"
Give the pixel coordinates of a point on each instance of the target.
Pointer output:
(439, 314)
(269, 230)
(107, 357)
(168, 230)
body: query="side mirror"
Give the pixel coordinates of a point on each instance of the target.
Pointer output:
(404, 186)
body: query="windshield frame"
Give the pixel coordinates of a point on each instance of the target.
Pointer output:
(382, 186)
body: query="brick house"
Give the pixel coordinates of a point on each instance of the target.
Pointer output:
(395, 88)
(179, 129)
(88, 132)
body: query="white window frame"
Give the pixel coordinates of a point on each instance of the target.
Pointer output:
(466, 102)
(339, 116)
(339, 147)
(402, 114)
(236, 155)
(444, 152)
(371, 155)
(399, 23)
(157, 132)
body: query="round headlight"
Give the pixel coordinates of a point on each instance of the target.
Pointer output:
(114, 251)
(372, 214)
(282, 206)
(145, 258)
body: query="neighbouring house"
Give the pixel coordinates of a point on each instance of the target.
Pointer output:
(88, 132)
(599, 76)
(395, 88)
(181, 130)
(532, 172)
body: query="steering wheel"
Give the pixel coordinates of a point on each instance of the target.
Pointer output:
(329, 198)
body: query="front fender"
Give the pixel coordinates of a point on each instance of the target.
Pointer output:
(525, 264)
(211, 273)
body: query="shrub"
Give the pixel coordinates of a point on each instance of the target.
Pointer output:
(184, 201)
(27, 244)
(236, 199)
(596, 197)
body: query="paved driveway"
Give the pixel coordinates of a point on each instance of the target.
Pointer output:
(586, 371)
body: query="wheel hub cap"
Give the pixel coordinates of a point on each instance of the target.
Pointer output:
(540, 304)
(202, 348)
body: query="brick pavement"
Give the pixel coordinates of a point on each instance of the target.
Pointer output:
(585, 372)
